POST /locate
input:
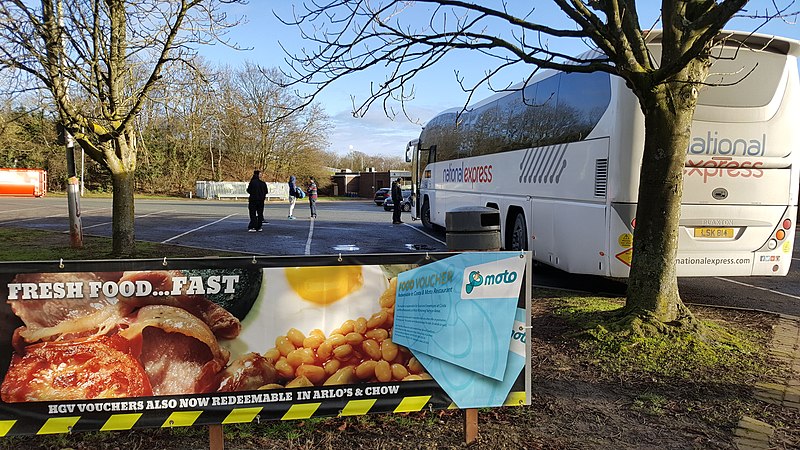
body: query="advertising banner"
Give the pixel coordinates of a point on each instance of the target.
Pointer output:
(115, 345)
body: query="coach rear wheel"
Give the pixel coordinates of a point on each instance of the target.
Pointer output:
(519, 234)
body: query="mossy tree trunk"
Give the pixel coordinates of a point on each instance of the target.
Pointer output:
(668, 109)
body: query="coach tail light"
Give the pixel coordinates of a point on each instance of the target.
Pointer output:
(781, 233)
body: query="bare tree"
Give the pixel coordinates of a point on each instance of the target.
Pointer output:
(353, 36)
(99, 60)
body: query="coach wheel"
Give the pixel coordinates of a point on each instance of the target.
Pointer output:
(426, 215)
(406, 207)
(519, 234)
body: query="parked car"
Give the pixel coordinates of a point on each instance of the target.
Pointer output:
(381, 195)
(388, 204)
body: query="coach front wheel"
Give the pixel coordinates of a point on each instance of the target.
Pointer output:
(425, 215)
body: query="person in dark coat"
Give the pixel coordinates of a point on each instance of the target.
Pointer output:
(397, 199)
(257, 191)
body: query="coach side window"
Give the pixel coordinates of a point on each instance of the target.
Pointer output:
(582, 100)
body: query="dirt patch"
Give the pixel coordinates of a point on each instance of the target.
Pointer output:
(575, 404)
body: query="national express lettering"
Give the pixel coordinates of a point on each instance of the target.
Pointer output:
(713, 144)
(716, 169)
(467, 174)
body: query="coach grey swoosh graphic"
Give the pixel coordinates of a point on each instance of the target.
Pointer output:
(543, 165)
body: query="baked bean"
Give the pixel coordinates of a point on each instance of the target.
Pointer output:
(377, 319)
(296, 336)
(413, 377)
(366, 369)
(324, 351)
(372, 349)
(361, 325)
(313, 341)
(336, 340)
(399, 372)
(348, 326)
(378, 334)
(284, 345)
(314, 374)
(389, 350)
(383, 371)
(414, 366)
(343, 352)
(317, 332)
(332, 366)
(345, 375)
(300, 356)
(283, 368)
(386, 299)
(354, 338)
(272, 355)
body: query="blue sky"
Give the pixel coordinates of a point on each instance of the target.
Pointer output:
(436, 89)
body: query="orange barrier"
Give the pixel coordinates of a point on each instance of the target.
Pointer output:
(23, 182)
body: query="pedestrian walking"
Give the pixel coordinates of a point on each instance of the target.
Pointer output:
(292, 195)
(312, 196)
(257, 192)
(397, 199)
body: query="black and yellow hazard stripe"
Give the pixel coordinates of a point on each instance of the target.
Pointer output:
(32, 419)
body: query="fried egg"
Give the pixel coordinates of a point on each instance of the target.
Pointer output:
(308, 298)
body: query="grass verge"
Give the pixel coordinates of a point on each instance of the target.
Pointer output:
(739, 357)
(25, 244)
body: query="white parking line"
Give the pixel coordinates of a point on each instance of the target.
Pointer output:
(138, 217)
(24, 209)
(66, 214)
(426, 234)
(758, 287)
(310, 234)
(198, 228)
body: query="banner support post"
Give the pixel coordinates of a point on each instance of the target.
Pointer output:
(216, 438)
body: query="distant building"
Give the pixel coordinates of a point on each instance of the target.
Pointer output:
(365, 184)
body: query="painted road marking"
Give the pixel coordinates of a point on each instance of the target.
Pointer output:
(24, 209)
(106, 223)
(426, 234)
(310, 234)
(758, 287)
(198, 228)
(52, 216)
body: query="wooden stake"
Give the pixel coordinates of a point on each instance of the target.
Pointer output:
(471, 426)
(216, 439)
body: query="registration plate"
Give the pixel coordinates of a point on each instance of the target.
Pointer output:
(713, 233)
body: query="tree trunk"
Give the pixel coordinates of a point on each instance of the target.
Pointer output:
(668, 111)
(124, 244)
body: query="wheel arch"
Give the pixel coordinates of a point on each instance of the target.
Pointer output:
(508, 227)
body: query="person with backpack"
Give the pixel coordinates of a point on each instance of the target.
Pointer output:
(294, 194)
(257, 192)
(312, 196)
